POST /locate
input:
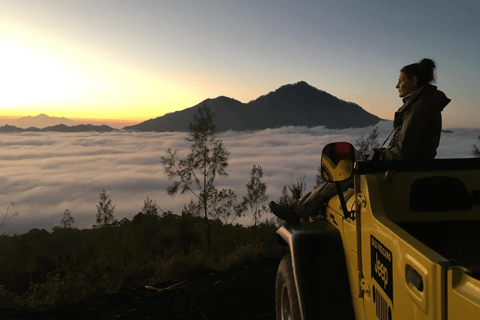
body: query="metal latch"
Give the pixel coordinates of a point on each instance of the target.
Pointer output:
(362, 200)
(365, 287)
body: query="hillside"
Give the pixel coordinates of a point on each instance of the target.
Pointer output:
(291, 105)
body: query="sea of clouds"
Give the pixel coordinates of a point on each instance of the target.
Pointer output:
(47, 173)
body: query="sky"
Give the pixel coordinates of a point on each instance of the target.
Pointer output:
(45, 173)
(136, 60)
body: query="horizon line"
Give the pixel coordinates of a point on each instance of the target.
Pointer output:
(127, 122)
(97, 120)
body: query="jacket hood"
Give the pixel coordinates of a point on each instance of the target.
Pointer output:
(428, 93)
(438, 97)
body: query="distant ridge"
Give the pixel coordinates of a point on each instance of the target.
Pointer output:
(40, 121)
(296, 104)
(59, 128)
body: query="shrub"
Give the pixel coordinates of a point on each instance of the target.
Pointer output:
(7, 298)
(63, 286)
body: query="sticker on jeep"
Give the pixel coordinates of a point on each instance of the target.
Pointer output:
(382, 270)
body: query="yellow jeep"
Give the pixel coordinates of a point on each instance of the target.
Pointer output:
(404, 243)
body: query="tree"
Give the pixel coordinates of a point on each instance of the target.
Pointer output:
(256, 197)
(207, 159)
(297, 189)
(285, 198)
(291, 191)
(366, 144)
(5, 217)
(105, 211)
(193, 208)
(149, 207)
(67, 220)
(225, 206)
(476, 151)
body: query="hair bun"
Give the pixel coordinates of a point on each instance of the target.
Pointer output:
(428, 64)
(423, 70)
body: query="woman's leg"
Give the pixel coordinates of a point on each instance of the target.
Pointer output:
(311, 203)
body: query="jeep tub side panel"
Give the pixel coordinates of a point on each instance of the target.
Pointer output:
(319, 269)
(406, 278)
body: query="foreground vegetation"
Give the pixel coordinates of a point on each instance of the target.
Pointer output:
(42, 270)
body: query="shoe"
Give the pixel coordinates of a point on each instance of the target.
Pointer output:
(286, 213)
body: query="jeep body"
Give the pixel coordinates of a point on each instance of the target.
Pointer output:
(406, 246)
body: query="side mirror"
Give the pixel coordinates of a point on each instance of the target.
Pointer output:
(337, 161)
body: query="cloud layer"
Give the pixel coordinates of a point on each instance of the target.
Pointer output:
(46, 173)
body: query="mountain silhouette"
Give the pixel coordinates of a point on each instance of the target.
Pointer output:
(40, 121)
(59, 128)
(291, 105)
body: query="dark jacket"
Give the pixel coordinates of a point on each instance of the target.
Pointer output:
(417, 126)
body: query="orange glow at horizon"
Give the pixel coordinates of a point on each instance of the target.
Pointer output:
(116, 121)
(8, 117)
(60, 81)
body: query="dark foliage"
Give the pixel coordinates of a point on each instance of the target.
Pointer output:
(42, 270)
(105, 210)
(297, 188)
(256, 197)
(292, 191)
(67, 219)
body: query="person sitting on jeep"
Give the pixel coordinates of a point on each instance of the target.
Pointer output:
(416, 135)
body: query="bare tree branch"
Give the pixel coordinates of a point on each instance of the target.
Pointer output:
(6, 216)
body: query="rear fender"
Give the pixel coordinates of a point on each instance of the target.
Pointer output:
(319, 268)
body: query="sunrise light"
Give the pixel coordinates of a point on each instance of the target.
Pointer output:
(35, 79)
(30, 76)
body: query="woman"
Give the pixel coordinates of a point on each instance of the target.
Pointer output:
(417, 129)
(418, 123)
